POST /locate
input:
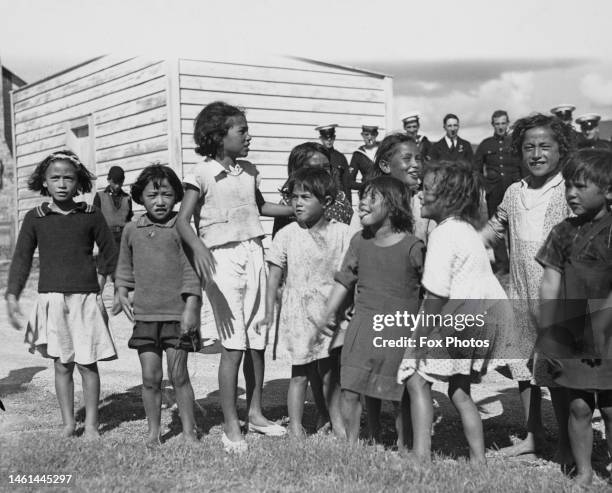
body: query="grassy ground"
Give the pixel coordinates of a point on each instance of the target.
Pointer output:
(29, 442)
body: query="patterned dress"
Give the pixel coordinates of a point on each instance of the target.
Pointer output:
(528, 215)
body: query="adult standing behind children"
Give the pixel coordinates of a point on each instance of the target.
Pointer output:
(337, 160)
(501, 167)
(115, 204)
(412, 125)
(451, 147)
(363, 158)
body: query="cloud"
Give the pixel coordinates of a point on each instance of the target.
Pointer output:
(597, 89)
(512, 91)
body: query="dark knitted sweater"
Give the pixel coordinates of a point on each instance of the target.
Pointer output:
(65, 247)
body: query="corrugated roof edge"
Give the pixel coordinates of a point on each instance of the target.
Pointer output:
(348, 67)
(27, 86)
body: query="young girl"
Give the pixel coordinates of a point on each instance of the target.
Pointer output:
(527, 213)
(383, 264)
(310, 250)
(398, 156)
(166, 296)
(577, 261)
(312, 155)
(228, 257)
(69, 322)
(455, 271)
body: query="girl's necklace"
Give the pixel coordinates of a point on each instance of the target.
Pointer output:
(235, 170)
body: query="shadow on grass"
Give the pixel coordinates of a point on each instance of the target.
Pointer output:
(16, 380)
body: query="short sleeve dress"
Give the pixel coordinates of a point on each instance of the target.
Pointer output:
(386, 280)
(457, 267)
(310, 257)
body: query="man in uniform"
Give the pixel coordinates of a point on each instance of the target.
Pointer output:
(451, 147)
(338, 163)
(564, 113)
(411, 126)
(363, 158)
(589, 138)
(500, 167)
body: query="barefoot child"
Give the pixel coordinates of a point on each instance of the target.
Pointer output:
(228, 257)
(456, 269)
(577, 261)
(69, 323)
(167, 294)
(384, 264)
(527, 213)
(310, 250)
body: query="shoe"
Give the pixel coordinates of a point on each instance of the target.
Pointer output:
(272, 430)
(234, 447)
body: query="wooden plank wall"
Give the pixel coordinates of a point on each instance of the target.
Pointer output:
(126, 99)
(285, 99)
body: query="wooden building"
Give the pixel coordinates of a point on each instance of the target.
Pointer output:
(133, 111)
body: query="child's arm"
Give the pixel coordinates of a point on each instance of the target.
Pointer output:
(106, 246)
(496, 228)
(275, 275)
(203, 261)
(549, 295)
(124, 276)
(276, 210)
(20, 269)
(191, 314)
(327, 323)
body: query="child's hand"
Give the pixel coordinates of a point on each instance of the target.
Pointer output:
(12, 306)
(101, 282)
(204, 263)
(326, 325)
(263, 324)
(122, 302)
(190, 321)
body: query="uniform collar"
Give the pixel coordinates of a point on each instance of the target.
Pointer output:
(118, 193)
(144, 222)
(47, 208)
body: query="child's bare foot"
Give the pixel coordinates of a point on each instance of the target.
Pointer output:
(91, 433)
(153, 442)
(190, 438)
(296, 431)
(584, 478)
(67, 431)
(526, 446)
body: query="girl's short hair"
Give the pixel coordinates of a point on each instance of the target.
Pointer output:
(387, 148)
(317, 181)
(84, 176)
(156, 173)
(301, 153)
(562, 133)
(211, 125)
(396, 197)
(459, 189)
(594, 165)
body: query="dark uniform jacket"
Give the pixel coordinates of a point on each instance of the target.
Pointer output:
(360, 163)
(496, 161)
(340, 171)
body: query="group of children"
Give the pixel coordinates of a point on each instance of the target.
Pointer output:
(418, 247)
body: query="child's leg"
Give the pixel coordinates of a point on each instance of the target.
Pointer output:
(253, 368)
(179, 377)
(560, 401)
(459, 393)
(64, 390)
(318, 394)
(531, 398)
(228, 383)
(402, 421)
(351, 411)
(329, 368)
(295, 398)
(91, 393)
(421, 411)
(373, 407)
(604, 401)
(582, 405)
(152, 373)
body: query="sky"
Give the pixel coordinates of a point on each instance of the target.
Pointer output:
(467, 58)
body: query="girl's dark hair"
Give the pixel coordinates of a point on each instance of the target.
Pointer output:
(317, 181)
(562, 133)
(301, 153)
(387, 148)
(37, 178)
(397, 201)
(594, 165)
(211, 125)
(458, 188)
(156, 173)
